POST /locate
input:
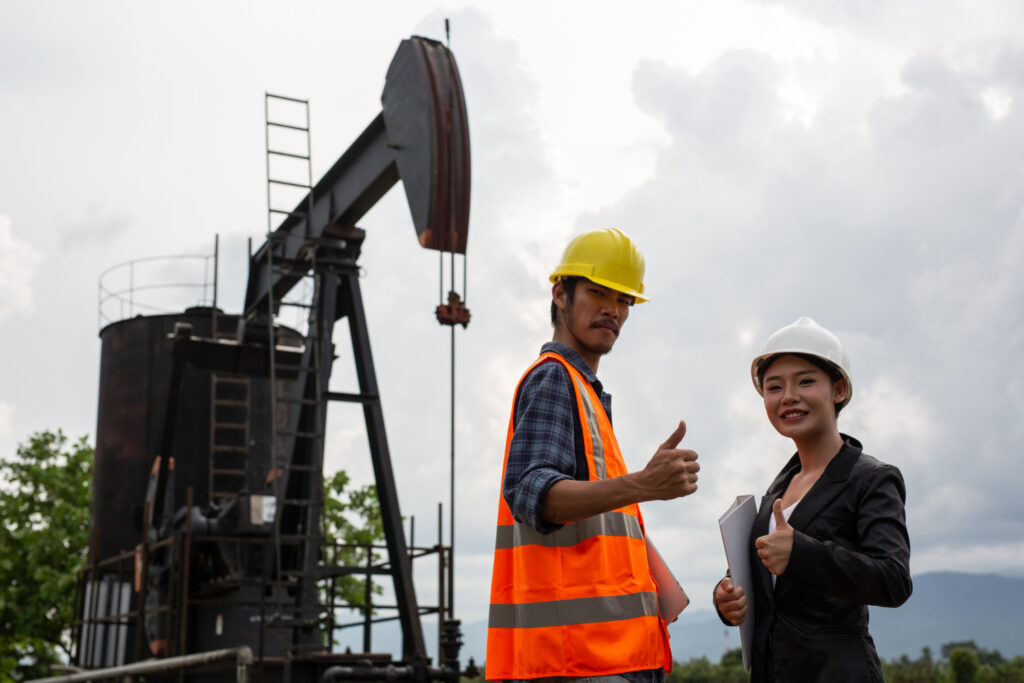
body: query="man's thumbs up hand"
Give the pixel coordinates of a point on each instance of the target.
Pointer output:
(671, 472)
(775, 548)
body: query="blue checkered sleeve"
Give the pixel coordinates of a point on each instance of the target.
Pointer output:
(543, 449)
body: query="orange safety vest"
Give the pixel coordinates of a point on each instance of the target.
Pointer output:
(580, 601)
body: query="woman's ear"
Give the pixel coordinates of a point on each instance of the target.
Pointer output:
(840, 388)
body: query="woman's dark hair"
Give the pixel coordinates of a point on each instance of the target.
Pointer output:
(825, 366)
(569, 285)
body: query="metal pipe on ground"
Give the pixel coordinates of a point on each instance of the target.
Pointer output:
(385, 673)
(241, 655)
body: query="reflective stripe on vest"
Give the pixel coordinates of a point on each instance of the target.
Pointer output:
(574, 611)
(600, 471)
(552, 595)
(607, 524)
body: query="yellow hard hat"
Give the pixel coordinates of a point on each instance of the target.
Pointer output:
(607, 257)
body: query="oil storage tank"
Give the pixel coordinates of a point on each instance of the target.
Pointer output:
(219, 438)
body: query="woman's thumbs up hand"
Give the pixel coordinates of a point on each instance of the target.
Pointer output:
(775, 548)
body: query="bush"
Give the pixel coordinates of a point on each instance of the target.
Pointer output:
(963, 663)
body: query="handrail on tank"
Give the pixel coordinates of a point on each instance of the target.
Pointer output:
(126, 297)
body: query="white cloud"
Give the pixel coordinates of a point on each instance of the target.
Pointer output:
(901, 232)
(894, 421)
(859, 164)
(998, 102)
(17, 264)
(6, 412)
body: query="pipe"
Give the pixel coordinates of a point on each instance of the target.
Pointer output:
(389, 672)
(241, 655)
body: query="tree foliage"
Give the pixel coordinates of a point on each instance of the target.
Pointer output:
(728, 670)
(45, 496)
(352, 526)
(964, 665)
(44, 534)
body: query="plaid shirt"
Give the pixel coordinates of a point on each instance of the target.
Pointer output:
(547, 447)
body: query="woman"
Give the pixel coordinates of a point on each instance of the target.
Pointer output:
(830, 537)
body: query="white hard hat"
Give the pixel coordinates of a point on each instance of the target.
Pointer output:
(807, 337)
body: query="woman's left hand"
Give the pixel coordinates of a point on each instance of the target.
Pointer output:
(775, 548)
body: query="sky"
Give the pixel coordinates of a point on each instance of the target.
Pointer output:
(859, 163)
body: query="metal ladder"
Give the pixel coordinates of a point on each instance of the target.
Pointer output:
(280, 178)
(297, 448)
(229, 434)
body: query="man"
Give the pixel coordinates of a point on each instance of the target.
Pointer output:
(571, 592)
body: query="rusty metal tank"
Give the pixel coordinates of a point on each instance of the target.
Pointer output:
(135, 376)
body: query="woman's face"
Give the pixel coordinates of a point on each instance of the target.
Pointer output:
(800, 397)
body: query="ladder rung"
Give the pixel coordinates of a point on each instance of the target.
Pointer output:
(230, 402)
(230, 425)
(287, 125)
(295, 304)
(300, 434)
(288, 183)
(272, 96)
(235, 472)
(230, 449)
(287, 154)
(351, 398)
(290, 366)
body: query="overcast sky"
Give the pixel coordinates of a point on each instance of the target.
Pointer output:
(860, 163)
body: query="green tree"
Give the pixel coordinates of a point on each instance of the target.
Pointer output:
(45, 496)
(986, 658)
(44, 536)
(1009, 671)
(728, 670)
(964, 665)
(352, 526)
(904, 670)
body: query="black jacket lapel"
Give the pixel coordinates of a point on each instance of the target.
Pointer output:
(832, 481)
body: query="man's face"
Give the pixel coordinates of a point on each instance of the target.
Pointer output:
(592, 320)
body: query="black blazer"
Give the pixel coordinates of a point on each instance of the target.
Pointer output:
(850, 550)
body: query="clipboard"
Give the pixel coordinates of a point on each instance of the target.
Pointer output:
(735, 526)
(672, 598)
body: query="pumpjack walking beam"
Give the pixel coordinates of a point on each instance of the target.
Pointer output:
(421, 137)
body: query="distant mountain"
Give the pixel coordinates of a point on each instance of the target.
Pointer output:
(948, 606)
(945, 607)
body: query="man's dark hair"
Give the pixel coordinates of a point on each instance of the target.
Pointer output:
(569, 284)
(828, 368)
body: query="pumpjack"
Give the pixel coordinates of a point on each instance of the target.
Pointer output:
(207, 556)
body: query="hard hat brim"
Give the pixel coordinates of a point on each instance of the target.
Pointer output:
(615, 286)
